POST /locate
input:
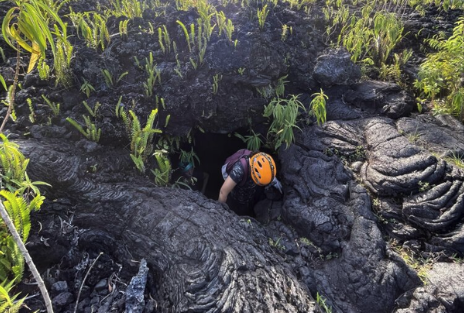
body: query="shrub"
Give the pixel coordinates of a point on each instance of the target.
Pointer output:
(284, 114)
(318, 107)
(440, 76)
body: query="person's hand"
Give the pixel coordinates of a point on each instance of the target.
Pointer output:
(276, 184)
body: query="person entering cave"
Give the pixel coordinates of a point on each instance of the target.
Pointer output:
(247, 175)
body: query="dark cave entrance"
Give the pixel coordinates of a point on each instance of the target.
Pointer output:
(212, 150)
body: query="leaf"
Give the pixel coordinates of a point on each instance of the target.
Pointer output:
(2, 80)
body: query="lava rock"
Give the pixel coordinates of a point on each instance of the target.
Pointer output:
(443, 292)
(166, 226)
(380, 97)
(59, 287)
(134, 293)
(102, 285)
(336, 68)
(62, 300)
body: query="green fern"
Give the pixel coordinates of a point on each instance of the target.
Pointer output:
(11, 260)
(139, 163)
(19, 210)
(7, 303)
(141, 138)
(13, 164)
(55, 107)
(91, 132)
(163, 172)
(92, 112)
(22, 198)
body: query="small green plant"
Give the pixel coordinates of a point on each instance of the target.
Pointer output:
(13, 164)
(419, 264)
(178, 68)
(159, 101)
(276, 243)
(285, 30)
(321, 302)
(154, 75)
(91, 26)
(267, 92)
(163, 172)
(128, 8)
(424, 186)
(163, 39)
(262, 15)
(359, 154)
(306, 241)
(9, 303)
(393, 72)
(108, 77)
(123, 28)
(318, 107)
(194, 64)
(414, 136)
(456, 159)
(253, 141)
(457, 259)
(109, 80)
(31, 110)
(55, 107)
(330, 256)
(188, 157)
(224, 24)
(216, 79)
(181, 183)
(186, 33)
(284, 114)
(141, 138)
(280, 86)
(92, 112)
(91, 131)
(43, 69)
(87, 88)
(241, 70)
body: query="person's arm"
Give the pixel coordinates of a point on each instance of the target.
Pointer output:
(226, 188)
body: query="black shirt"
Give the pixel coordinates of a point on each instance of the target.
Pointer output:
(243, 197)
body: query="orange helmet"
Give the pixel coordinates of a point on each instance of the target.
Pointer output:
(262, 168)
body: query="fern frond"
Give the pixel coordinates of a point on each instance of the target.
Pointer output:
(17, 208)
(16, 258)
(5, 267)
(76, 125)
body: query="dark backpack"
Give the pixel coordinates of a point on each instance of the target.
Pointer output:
(242, 156)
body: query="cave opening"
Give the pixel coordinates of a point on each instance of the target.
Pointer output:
(213, 149)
